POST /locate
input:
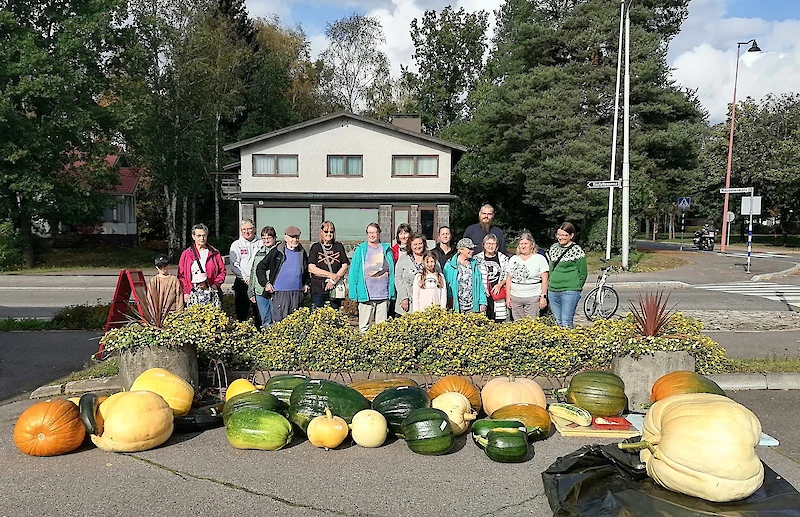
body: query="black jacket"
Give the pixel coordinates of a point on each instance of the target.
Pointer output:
(273, 262)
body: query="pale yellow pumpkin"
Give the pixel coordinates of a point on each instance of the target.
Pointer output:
(503, 391)
(133, 421)
(238, 387)
(327, 431)
(703, 445)
(178, 393)
(458, 409)
(369, 428)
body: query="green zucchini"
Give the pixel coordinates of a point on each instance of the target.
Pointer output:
(87, 408)
(481, 428)
(395, 404)
(507, 445)
(428, 431)
(311, 398)
(255, 428)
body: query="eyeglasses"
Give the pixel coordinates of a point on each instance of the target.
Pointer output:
(294, 236)
(329, 232)
(247, 229)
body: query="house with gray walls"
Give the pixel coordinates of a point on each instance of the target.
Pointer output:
(346, 168)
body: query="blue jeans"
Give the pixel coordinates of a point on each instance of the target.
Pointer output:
(265, 310)
(318, 301)
(563, 305)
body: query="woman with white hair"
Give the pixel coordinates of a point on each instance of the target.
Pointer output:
(493, 265)
(526, 280)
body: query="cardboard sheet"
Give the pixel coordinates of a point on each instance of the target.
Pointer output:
(638, 421)
(567, 428)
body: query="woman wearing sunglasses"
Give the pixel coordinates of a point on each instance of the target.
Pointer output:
(328, 265)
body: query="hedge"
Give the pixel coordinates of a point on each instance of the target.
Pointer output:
(433, 342)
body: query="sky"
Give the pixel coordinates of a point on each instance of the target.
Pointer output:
(702, 56)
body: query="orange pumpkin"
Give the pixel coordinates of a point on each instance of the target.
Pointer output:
(49, 428)
(534, 417)
(371, 388)
(503, 391)
(457, 384)
(680, 382)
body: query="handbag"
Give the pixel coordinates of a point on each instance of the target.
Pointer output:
(501, 295)
(339, 291)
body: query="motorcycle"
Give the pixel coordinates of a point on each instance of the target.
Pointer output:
(704, 239)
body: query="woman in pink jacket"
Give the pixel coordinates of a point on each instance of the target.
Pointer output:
(201, 258)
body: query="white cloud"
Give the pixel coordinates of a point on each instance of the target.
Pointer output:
(703, 56)
(269, 8)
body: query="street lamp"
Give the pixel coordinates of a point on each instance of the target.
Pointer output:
(753, 48)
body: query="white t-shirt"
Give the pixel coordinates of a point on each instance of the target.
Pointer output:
(526, 275)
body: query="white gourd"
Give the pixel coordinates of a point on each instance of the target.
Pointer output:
(369, 428)
(458, 408)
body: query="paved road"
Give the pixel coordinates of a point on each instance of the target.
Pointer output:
(32, 359)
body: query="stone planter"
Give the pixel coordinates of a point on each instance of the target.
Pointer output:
(640, 374)
(182, 361)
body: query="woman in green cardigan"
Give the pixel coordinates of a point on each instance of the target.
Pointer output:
(568, 273)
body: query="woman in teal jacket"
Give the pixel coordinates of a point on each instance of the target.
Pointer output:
(469, 295)
(371, 278)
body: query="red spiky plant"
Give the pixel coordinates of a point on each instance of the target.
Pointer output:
(652, 316)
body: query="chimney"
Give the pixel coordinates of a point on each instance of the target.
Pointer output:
(407, 121)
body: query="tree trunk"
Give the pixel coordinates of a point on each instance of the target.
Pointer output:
(184, 225)
(171, 209)
(214, 177)
(24, 224)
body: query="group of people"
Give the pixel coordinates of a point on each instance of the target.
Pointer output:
(476, 274)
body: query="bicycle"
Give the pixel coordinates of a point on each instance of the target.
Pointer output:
(602, 301)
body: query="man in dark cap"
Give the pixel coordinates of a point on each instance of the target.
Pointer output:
(284, 274)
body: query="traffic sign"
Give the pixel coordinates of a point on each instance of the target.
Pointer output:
(604, 184)
(684, 203)
(736, 190)
(730, 216)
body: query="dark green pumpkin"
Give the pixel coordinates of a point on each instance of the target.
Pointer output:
(256, 399)
(428, 431)
(282, 385)
(600, 392)
(395, 404)
(507, 445)
(311, 398)
(481, 428)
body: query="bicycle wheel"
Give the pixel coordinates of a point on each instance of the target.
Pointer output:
(600, 304)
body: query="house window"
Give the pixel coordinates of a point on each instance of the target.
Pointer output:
(351, 223)
(274, 165)
(407, 166)
(281, 218)
(343, 166)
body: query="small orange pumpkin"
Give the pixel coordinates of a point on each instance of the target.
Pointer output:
(503, 391)
(680, 382)
(49, 428)
(457, 384)
(534, 417)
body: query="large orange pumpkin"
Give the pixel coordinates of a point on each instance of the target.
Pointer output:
(680, 382)
(49, 428)
(457, 384)
(503, 391)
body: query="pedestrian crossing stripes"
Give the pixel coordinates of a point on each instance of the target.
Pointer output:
(789, 294)
(766, 255)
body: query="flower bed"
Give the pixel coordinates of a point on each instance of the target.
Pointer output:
(433, 342)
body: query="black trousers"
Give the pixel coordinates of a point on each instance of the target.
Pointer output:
(243, 303)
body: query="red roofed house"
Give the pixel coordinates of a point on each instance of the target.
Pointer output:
(121, 219)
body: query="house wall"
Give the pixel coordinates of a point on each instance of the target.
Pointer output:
(345, 137)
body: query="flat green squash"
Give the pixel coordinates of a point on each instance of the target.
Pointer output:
(481, 428)
(395, 404)
(507, 445)
(428, 431)
(256, 428)
(282, 385)
(253, 399)
(312, 397)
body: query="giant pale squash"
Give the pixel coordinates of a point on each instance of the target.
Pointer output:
(676, 383)
(503, 391)
(600, 392)
(371, 388)
(129, 421)
(457, 384)
(178, 393)
(703, 445)
(49, 428)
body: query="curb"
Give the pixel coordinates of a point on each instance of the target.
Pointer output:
(769, 276)
(672, 284)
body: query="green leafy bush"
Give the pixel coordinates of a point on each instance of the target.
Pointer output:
(10, 246)
(435, 341)
(81, 317)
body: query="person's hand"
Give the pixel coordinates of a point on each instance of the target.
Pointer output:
(246, 280)
(186, 298)
(508, 302)
(305, 289)
(269, 288)
(542, 302)
(483, 308)
(496, 290)
(404, 304)
(330, 283)
(253, 299)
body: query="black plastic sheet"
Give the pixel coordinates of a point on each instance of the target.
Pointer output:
(605, 481)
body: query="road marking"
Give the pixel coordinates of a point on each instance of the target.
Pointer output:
(789, 294)
(766, 255)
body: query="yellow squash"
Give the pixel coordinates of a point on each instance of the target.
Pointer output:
(703, 445)
(132, 421)
(178, 393)
(327, 431)
(237, 387)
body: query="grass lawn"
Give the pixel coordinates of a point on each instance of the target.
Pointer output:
(640, 261)
(787, 365)
(66, 259)
(108, 368)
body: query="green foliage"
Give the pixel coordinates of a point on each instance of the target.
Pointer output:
(434, 341)
(81, 317)
(10, 245)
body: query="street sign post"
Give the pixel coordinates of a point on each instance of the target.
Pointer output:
(736, 190)
(684, 203)
(744, 190)
(604, 184)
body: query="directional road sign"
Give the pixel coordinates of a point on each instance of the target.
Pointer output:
(604, 184)
(684, 203)
(736, 190)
